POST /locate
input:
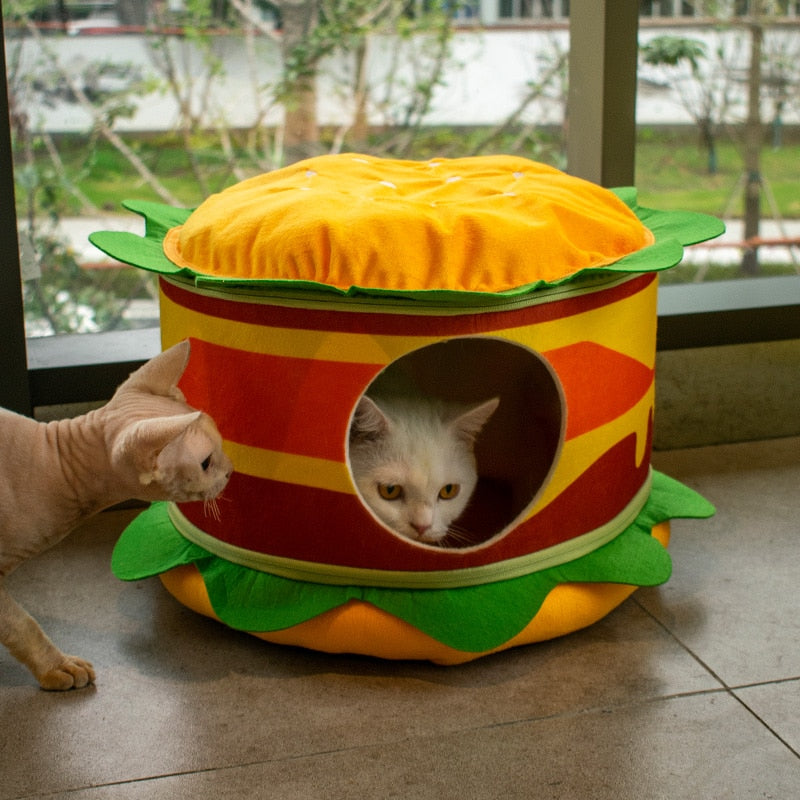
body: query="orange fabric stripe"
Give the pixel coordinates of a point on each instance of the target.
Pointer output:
(267, 516)
(303, 406)
(339, 321)
(293, 405)
(600, 384)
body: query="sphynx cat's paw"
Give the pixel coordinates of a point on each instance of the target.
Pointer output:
(70, 673)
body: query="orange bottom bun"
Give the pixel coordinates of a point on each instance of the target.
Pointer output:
(358, 627)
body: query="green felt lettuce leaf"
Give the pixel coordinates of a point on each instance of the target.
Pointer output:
(673, 230)
(470, 619)
(144, 251)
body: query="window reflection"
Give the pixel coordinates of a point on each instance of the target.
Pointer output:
(110, 101)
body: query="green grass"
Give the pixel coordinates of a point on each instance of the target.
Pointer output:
(672, 173)
(106, 177)
(671, 169)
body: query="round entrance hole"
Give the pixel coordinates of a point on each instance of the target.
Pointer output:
(469, 411)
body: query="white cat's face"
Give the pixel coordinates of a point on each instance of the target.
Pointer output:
(414, 465)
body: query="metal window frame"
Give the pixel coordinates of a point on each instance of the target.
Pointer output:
(87, 367)
(14, 389)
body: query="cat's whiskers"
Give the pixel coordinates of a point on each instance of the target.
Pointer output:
(211, 504)
(211, 508)
(456, 537)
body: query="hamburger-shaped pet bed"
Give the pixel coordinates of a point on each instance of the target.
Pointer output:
(435, 381)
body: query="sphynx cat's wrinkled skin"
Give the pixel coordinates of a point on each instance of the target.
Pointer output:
(145, 443)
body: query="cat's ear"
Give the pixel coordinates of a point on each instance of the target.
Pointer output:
(368, 420)
(470, 423)
(190, 449)
(141, 442)
(160, 375)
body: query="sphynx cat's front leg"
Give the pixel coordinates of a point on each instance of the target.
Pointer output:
(28, 643)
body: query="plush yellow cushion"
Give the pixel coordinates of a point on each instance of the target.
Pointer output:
(359, 627)
(485, 224)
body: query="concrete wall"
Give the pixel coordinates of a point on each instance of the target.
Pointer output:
(486, 77)
(736, 393)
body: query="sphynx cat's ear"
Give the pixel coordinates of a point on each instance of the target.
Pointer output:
(160, 375)
(142, 441)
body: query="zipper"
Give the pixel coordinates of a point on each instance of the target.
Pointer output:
(458, 303)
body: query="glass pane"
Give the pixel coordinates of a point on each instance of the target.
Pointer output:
(71, 91)
(719, 136)
(172, 102)
(507, 9)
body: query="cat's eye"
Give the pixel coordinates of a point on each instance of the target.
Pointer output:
(390, 491)
(449, 491)
(206, 464)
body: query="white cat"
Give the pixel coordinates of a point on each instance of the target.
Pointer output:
(413, 461)
(145, 443)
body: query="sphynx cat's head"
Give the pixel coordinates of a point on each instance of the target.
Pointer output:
(169, 449)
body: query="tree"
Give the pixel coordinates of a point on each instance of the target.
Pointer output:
(704, 91)
(314, 30)
(551, 83)
(60, 296)
(303, 45)
(189, 87)
(183, 40)
(753, 142)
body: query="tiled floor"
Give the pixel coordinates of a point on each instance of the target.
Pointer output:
(691, 690)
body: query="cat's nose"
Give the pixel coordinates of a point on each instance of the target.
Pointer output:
(420, 528)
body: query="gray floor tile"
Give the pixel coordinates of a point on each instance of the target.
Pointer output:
(634, 706)
(732, 598)
(704, 746)
(182, 693)
(777, 705)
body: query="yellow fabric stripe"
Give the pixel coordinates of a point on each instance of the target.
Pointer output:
(178, 322)
(578, 454)
(319, 473)
(627, 326)
(337, 575)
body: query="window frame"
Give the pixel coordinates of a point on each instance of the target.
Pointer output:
(87, 367)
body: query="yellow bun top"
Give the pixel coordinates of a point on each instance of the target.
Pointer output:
(484, 224)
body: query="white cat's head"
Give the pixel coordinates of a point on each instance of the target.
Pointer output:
(174, 451)
(413, 462)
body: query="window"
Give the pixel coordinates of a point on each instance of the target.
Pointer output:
(601, 148)
(533, 9)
